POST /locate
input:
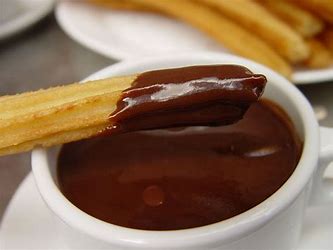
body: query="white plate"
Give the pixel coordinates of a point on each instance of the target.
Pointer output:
(16, 15)
(125, 35)
(29, 224)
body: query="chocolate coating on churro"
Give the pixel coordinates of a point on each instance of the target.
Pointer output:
(192, 96)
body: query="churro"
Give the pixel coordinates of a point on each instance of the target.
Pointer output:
(259, 21)
(123, 5)
(301, 20)
(280, 39)
(322, 8)
(326, 37)
(44, 117)
(320, 56)
(157, 99)
(227, 32)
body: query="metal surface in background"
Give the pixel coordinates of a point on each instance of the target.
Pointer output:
(44, 56)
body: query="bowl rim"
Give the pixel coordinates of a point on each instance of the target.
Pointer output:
(224, 231)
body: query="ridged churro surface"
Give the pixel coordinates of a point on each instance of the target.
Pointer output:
(198, 95)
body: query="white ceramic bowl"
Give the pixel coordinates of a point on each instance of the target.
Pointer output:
(274, 223)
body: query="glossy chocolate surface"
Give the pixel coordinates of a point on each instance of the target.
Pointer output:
(209, 95)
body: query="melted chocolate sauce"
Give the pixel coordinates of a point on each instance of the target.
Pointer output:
(199, 95)
(167, 179)
(175, 179)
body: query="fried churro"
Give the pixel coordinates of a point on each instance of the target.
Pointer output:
(44, 117)
(326, 37)
(301, 20)
(320, 56)
(259, 21)
(201, 95)
(274, 33)
(123, 5)
(322, 8)
(227, 32)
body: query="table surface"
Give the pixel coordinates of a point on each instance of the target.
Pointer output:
(45, 56)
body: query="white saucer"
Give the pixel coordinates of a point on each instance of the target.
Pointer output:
(126, 35)
(16, 15)
(29, 224)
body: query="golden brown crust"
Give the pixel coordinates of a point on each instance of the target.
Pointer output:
(262, 30)
(261, 22)
(31, 119)
(326, 37)
(120, 5)
(301, 20)
(227, 32)
(52, 140)
(320, 55)
(322, 8)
